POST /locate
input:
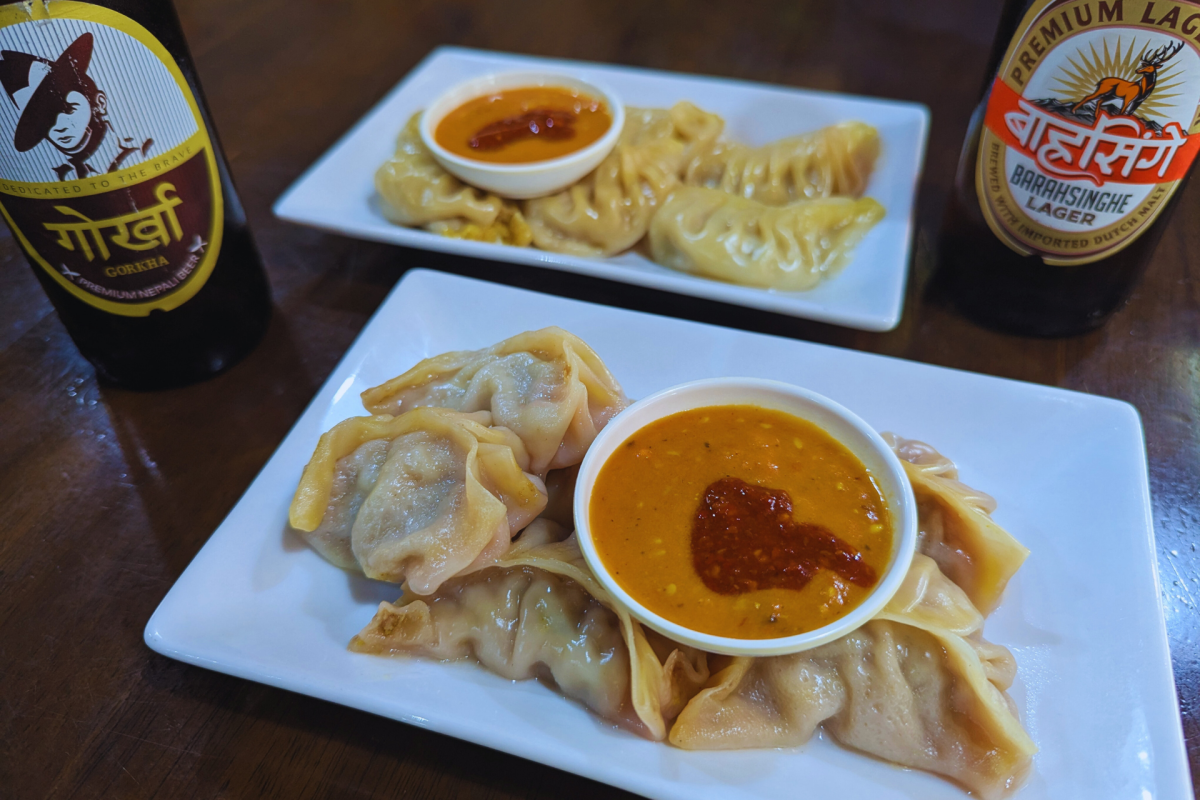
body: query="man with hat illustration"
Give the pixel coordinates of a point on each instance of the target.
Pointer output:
(59, 102)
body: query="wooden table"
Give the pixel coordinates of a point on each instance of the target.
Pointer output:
(108, 494)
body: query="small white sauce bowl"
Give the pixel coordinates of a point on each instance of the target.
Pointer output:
(835, 420)
(534, 178)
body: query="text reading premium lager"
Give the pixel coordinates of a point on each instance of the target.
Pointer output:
(115, 186)
(1086, 133)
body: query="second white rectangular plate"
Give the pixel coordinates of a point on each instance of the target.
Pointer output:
(338, 192)
(1082, 617)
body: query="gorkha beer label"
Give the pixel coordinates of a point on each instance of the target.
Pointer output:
(107, 175)
(1090, 125)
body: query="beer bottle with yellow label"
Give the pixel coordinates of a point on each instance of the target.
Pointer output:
(113, 183)
(1085, 135)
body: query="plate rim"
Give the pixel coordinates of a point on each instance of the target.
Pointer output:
(288, 207)
(160, 638)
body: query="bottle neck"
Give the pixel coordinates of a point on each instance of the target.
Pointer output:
(1010, 17)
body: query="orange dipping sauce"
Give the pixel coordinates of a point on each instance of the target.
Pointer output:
(520, 126)
(740, 521)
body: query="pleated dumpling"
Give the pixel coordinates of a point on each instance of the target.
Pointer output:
(929, 599)
(547, 386)
(837, 160)
(416, 191)
(957, 530)
(793, 247)
(608, 210)
(538, 612)
(417, 498)
(916, 697)
(915, 686)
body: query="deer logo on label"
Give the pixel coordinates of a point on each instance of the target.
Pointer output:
(1116, 80)
(1122, 96)
(1123, 128)
(1090, 127)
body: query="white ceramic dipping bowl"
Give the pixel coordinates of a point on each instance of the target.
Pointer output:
(837, 421)
(535, 178)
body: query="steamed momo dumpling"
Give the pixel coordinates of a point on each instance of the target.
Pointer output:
(928, 461)
(418, 497)
(518, 623)
(416, 191)
(832, 161)
(718, 235)
(547, 386)
(929, 599)
(539, 612)
(957, 530)
(608, 210)
(913, 696)
(916, 686)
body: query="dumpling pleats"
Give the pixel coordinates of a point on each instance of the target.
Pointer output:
(519, 623)
(957, 530)
(915, 686)
(794, 247)
(434, 496)
(837, 160)
(538, 612)
(417, 498)
(610, 208)
(930, 599)
(415, 190)
(351, 478)
(547, 386)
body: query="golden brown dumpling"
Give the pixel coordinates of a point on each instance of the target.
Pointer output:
(415, 190)
(832, 161)
(792, 248)
(608, 211)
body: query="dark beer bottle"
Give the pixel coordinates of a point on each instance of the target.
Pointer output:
(1072, 162)
(114, 184)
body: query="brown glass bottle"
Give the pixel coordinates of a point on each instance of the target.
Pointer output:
(148, 299)
(990, 281)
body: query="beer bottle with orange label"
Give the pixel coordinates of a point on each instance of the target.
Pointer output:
(113, 183)
(1085, 135)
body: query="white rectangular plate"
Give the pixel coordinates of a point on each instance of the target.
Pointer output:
(338, 192)
(1083, 616)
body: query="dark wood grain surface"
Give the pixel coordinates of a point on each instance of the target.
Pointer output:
(107, 495)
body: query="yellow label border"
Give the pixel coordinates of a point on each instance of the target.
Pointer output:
(1037, 12)
(70, 9)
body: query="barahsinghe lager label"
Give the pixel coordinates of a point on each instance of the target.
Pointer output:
(1090, 126)
(107, 174)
